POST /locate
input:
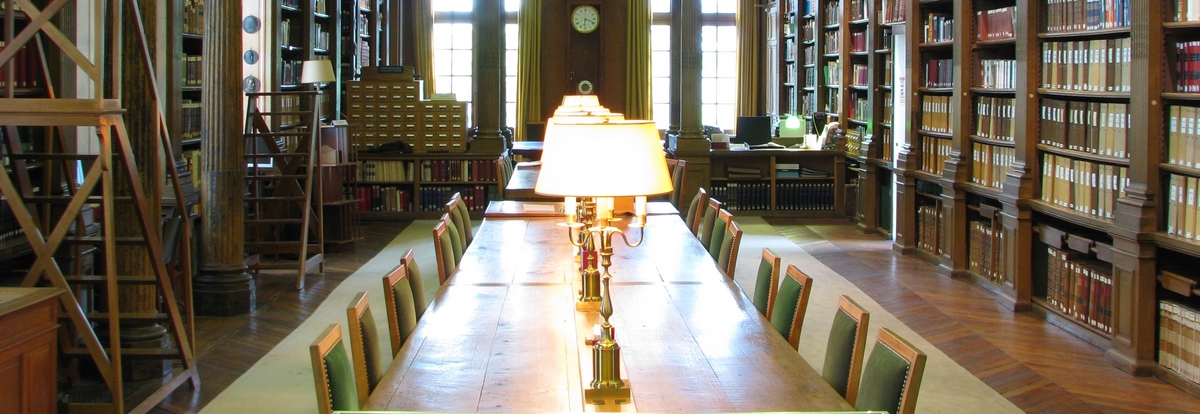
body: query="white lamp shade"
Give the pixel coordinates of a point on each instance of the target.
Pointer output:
(580, 105)
(317, 71)
(593, 158)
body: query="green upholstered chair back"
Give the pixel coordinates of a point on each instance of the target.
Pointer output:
(415, 282)
(402, 314)
(731, 241)
(444, 249)
(844, 350)
(767, 282)
(720, 226)
(333, 372)
(364, 345)
(892, 378)
(695, 211)
(708, 221)
(677, 169)
(791, 301)
(467, 227)
(456, 244)
(456, 217)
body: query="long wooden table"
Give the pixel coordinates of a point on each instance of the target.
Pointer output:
(503, 333)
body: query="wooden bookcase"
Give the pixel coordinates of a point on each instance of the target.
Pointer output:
(417, 186)
(305, 30)
(780, 182)
(359, 40)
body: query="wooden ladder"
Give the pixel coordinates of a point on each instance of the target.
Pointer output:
(284, 228)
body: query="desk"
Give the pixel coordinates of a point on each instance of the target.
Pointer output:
(524, 179)
(530, 150)
(503, 333)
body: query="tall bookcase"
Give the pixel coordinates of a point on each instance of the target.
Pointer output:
(359, 39)
(305, 30)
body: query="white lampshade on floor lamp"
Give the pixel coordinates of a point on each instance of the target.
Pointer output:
(316, 72)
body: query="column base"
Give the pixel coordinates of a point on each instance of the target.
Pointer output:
(224, 293)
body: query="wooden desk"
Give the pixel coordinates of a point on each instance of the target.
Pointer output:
(503, 333)
(28, 349)
(530, 150)
(524, 179)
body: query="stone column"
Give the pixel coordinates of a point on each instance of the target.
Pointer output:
(487, 84)
(688, 142)
(223, 288)
(676, 65)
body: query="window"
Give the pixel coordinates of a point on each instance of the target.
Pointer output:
(452, 43)
(718, 46)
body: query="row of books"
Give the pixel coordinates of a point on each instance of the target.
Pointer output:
(997, 73)
(383, 199)
(25, 67)
(289, 75)
(939, 73)
(934, 153)
(858, 74)
(985, 254)
(743, 196)
(887, 108)
(995, 117)
(929, 228)
(286, 37)
(861, 110)
(1187, 10)
(191, 118)
(810, 77)
(1182, 218)
(810, 56)
(858, 41)
(193, 67)
(858, 9)
(887, 71)
(894, 10)
(1080, 287)
(1183, 137)
(1179, 339)
(887, 143)
(833, 42)
(935, 113)
(808, 31)
(321, 37)
(736, 172)
(989, 163)
(1074, 15)
(939, 27)
(833, 100)
(996, 24)
(1083, 186)
(794, 170)
(833, 12)
(430, 170)
(1187, 63)
(193, 16)
(1097, 65)
(1100, 128)
(854, 138)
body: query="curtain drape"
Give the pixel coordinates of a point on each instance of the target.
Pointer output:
(638, 102)
(529, 66)
(749, 52)
(423, 39)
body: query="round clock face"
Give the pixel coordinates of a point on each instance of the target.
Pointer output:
(585, 19)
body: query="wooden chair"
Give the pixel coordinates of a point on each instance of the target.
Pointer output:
(695, 211)
(504, 171)
(443, 247)
(456, 244)
(767, 282)
(677, 169)
(707, 221)
(719, 227)
(364, 341)
(844, 350)
(333, 373)
(415, 283)
(462, 218)
(892, 378)
(731, 241)
(791, 301)
(401, 309)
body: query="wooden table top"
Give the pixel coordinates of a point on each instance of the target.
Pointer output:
(503, 333)
(529, 149)
(524, 179)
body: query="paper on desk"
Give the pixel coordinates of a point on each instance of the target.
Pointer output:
(538, 208)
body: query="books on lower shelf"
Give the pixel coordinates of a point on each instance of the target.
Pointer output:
(1179, 339)
(929, 228)
(935, 113)
(1083, 186)
(742, 172)
(1182, 219)
(1187, 65)
(997, 73)
(1080, 287)
(939, 73)
(1100, 128)
(1097, 65)
(986, 255)
(990, 163)
(934, 153)
(1184, 133)
(995, 117)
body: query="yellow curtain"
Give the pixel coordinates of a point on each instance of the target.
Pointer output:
(638, 102)
(529, 69)
(748, 55)
(423, 37)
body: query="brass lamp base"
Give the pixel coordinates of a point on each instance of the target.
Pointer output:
(589, 291)
(604, 396)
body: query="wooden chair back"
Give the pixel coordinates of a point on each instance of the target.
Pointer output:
(456, 244)
(731, 242)
(504, 171)
(415, 282)
(892, 378)
(844, 350)
(400, 302)
(790, 304)
(364, 343)
(695, 211)
(444, 250)
(333, 373)
(719, 227)
(767, 282)
(677, 169)
(708, 221)
(458, 211)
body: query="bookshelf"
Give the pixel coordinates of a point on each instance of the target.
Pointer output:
(790, 183)
(416, 186)
(304, 30)
(359, 39)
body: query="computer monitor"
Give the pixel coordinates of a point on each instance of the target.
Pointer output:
(753, 130)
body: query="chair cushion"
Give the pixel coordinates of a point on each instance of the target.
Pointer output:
(785, 306)
(456, 245)
(340, 373)
(456, 217)
(372, 353)
(839, 351)
(725, 251)
(447, 246)
(406, 314)
(466, 224)
(677, 184)
(417, 286)
(690, 219)
(706, 225)
(762, 287)
(716, 238)
(883, 381)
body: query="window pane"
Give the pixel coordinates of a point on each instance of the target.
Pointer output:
(708, 90)
(511, 37)
(512, 5)
(709, 62)
(726, 90)
(462, 87)
(660, 63)
(726, 118)
(462, 35)
(708, 38)
(726, 64)
(727, 38)
(510, 114)
(442, 65)
(708, 6)
(442, 36)
(708, 114)
(452, 5)
(662, 115)
(726, 6)
(445, 84)
(660, 37)
(462, 62)
(660, 6)
(661, 90)
(510, 89)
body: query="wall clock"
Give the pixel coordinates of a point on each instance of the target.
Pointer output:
(585, 19)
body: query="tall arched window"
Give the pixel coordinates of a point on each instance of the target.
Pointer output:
(452, 44)
(718, 45)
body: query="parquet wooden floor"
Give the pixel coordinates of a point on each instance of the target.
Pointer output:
(1038, 366)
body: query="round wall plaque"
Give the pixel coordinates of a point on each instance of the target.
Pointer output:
(250, 57)
(250, 84)
(251, 24)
